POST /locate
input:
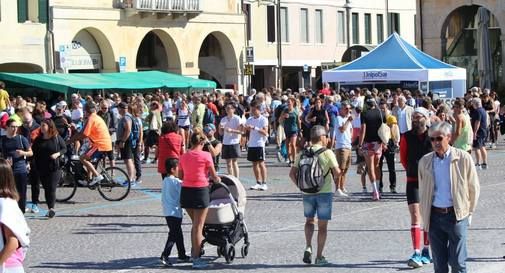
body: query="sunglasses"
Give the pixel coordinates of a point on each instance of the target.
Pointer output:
(13, 127)
(438, 138)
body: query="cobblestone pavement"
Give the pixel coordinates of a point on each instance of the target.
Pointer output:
(93, 235)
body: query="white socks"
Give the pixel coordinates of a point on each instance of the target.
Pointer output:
(374, 186)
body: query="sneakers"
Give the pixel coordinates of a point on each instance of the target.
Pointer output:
(27, 209)
(263, 187)
(184, 259)
(95, 180)
(340, 193)
(425, 256)
(415, 261)
(125, 183)
(364, 190)
(50, 213)
(164, 260)
(484, 166)
(199, 263)
(393, 190)
(82, 182)
(321, 261)
(375, 196)
(280, 157)
(478, 167)
(256, 186)
(307, 255)
(35, 208)
(147, 161)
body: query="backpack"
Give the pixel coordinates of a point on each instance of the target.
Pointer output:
(208, 117)
(310, 177)
(135, 131)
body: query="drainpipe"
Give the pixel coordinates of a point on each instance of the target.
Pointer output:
(347, 7)
(49, 40)
(279, 46)
(421, 37)
(388, 23)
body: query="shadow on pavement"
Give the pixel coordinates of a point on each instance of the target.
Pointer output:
(215, 263)
(486, 259)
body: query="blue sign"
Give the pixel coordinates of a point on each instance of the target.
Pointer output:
(122, 64)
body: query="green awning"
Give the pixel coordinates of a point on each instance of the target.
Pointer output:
(65, 83)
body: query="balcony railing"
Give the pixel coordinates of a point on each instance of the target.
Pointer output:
(164, 6)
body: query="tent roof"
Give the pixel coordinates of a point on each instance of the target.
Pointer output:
(395, 53)
(64, 83)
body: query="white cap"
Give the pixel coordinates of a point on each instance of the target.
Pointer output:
(423, 111)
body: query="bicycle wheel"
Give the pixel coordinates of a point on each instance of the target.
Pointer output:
(116, 184)
(66, 187)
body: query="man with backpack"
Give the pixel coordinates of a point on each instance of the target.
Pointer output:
(315, 170)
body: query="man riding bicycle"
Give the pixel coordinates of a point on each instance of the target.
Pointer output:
(97, 132)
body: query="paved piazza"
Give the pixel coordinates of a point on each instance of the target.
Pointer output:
(93, 235)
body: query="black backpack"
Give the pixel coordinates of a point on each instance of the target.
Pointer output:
(310, 177)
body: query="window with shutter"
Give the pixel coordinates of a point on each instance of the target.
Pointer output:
(22, 11)
(43, 16)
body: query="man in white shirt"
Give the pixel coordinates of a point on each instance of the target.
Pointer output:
(230, 128)
(343, 143)
(403, 114)
(257, 125)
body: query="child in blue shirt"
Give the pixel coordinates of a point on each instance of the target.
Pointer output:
(170, 199)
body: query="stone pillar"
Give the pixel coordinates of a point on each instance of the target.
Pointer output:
(502, 40)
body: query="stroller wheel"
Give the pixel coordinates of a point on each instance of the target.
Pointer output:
(230, 253)
(220, 251)
(244, 250)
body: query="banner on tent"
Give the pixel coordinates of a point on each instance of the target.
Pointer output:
(409, 85)
(375, 75)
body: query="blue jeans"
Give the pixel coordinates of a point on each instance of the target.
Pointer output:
(448, 242)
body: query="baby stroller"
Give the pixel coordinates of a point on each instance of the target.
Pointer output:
(224, 226)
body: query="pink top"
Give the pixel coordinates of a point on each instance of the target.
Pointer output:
(16, 259)
(195, 167)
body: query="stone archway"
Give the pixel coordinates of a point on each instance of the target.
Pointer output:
(91, 51)
(158, 51)
(217, 60)
(459, 42)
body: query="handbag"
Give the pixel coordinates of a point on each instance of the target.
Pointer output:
(60, 161)
(384, 131)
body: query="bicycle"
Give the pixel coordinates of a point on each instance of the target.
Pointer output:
(114, 187)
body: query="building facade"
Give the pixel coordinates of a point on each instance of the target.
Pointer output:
(197, 38)
(319, 34)
(23, 36)
(449, 30)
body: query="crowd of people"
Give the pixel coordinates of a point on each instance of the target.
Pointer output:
(187, 135)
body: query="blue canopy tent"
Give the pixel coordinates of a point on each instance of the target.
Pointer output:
(397, 61)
